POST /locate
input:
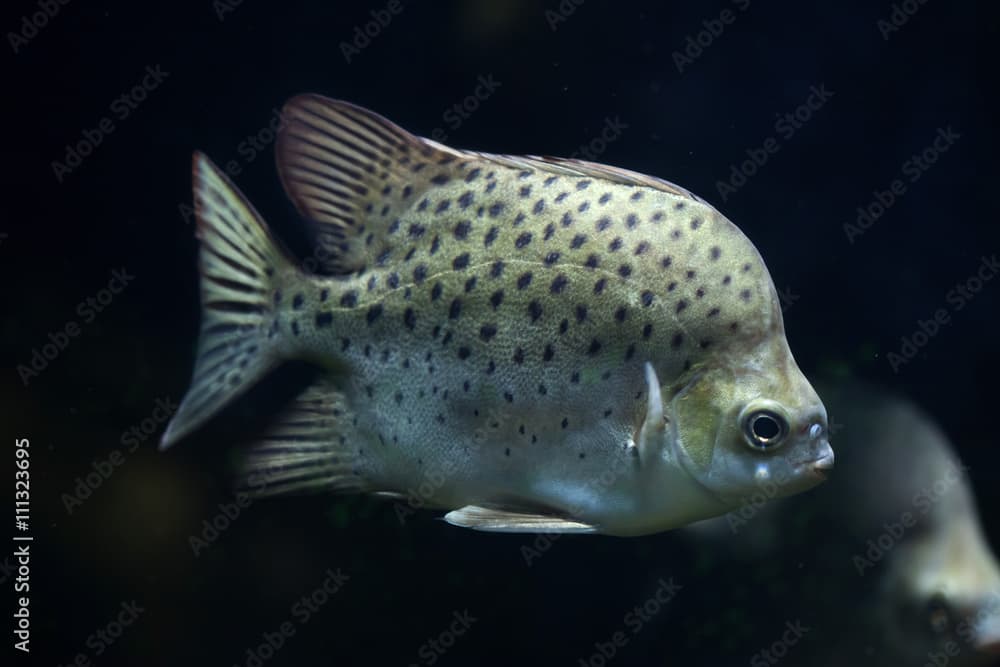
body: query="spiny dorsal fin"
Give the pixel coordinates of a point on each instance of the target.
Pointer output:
(352, 173)
(574, 167)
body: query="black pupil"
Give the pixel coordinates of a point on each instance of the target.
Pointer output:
(766, 428)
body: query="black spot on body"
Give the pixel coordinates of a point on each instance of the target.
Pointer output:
(461, 230)
(583, 185)
(465, 201)
(695, 223)
(603, 223)
(647, 330)
(518, 356)
(324, 294)
(374, 312)
(558, 284)
(525, 191)
(524, 280)
(496, 299)
(472, 175)
(538, 207)
(581, 312)
(455, 309)
(575, 377)
(460, 262)
(593, 261)
(497, 269)
(621, 313)
(578, 241)
(715, 253)
(681, 305)
(566, 220)
(549, 352)
(436, 291)
(615, 244)
(550, 229)
(595, 347)
(490, 237)
(625, 270)
(496, 209)
(487, 332)
(535, 310)
(522, 240)
(323, 320)
(605, 198)
(297, 301)
(295, 328)
(443, 206)
(599, 285)
(677, 341)
(647, 298)
(419, 274)
(552, 258)
(409, 319)
(416, 231)
(435, 244)
(745, 295)
(463, 353)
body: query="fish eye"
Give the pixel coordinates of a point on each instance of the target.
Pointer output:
(938, 614)
(764, 429)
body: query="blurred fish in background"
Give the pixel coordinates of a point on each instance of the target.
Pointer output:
(886, 564)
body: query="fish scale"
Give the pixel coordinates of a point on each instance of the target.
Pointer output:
(512, 320)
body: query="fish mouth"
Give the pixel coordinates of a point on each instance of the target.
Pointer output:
(820, 465)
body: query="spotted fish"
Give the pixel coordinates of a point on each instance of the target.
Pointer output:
(535, 344)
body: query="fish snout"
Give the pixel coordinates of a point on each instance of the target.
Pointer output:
(821, 462)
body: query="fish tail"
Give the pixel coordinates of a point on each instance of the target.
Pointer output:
(240, 265)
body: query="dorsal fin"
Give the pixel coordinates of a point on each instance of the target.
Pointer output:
(352, 173)
(574, 167)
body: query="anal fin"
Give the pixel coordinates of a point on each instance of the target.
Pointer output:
(509, 521)
(305, 449)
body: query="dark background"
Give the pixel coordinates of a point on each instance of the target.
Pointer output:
(122, 208)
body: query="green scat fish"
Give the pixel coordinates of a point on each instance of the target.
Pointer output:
(534, 344)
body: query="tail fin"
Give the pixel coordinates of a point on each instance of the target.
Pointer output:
(240, 264)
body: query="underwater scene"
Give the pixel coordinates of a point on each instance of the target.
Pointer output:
(514, 332)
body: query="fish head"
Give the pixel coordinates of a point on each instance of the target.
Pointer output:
(942, 589)
(749, 424)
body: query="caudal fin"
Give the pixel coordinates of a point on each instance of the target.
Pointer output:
(240, 264)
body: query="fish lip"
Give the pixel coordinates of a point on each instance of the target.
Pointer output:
(819, 467)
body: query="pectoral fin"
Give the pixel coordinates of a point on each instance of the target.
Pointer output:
(507, 521)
